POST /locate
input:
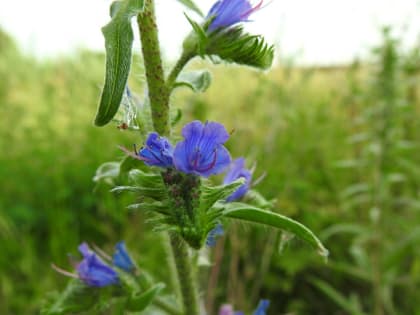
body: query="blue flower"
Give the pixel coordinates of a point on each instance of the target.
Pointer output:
(202, 151)
(93, 271)
(121, 258)
(262, 307)
(157, 151)
(237, 170)
(226, 13)
(211, 237)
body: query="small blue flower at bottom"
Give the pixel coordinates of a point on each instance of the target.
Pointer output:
(237, 170)
(213, 234)
(202, 151)
(121, 258)
(261, 309)
(92, 270)
(226, 13)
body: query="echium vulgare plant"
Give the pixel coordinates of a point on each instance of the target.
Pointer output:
(171, 175)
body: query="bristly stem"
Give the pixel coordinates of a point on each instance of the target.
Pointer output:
(155, 77)
(186, 276)
(159, 91)
(180, 64)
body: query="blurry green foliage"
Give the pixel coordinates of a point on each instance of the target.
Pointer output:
(320, 153)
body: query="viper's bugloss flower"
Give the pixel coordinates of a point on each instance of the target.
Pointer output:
(121, 258)
(157, 151)
(213, 234)
(202, 151)
(261, 309)
(237, 170)
(92, 270)
(226, 13)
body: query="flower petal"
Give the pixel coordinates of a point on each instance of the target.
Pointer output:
(218, 165)
(121, 258)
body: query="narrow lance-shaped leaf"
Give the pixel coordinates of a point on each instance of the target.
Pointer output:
(252, 214)
(118, 44)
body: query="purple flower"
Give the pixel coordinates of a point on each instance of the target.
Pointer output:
(237, 170)
(121, 258)
(93, 271)
(202, 151)
(226, 13)
(213, 234)
(262, 307)
(157, 151)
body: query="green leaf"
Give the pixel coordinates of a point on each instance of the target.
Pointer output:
(108, 170)
(198, 81)
(192, 6)
(252, 214)
(76, 297)
(176, 116)
(233, 45)
(211, 194)
(118, 44)
(139, 302)
(346, 304)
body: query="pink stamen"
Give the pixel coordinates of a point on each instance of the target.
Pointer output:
(101, 253)
(258, 6)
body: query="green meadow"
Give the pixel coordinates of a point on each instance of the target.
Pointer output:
(338, 149)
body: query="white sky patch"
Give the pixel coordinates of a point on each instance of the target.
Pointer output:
(317, 32)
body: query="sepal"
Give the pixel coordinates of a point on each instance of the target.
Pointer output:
(232, 45)
(76, 297)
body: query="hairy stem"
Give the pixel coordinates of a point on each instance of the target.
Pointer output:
(157, 88)
(159, 92)
(180, 64)
(185, 275)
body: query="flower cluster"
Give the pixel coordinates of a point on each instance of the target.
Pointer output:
(225, 13)
(261, 309)
(95, 272)
(201, 152)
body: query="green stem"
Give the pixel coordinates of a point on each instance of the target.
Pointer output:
(165, 306)
(185, 275)
(158, 91)
(180, 64)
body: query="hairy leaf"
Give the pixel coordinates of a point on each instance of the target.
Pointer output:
(252, 214)
(139, 302)
(118, 44)
(233, 45)
(198, 81)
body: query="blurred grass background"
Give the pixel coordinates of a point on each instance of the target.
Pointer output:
(340, 146)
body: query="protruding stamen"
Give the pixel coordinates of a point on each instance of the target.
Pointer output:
(64, 272)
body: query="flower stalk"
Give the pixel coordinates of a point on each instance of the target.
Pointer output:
(159, 92)
(155, 77)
